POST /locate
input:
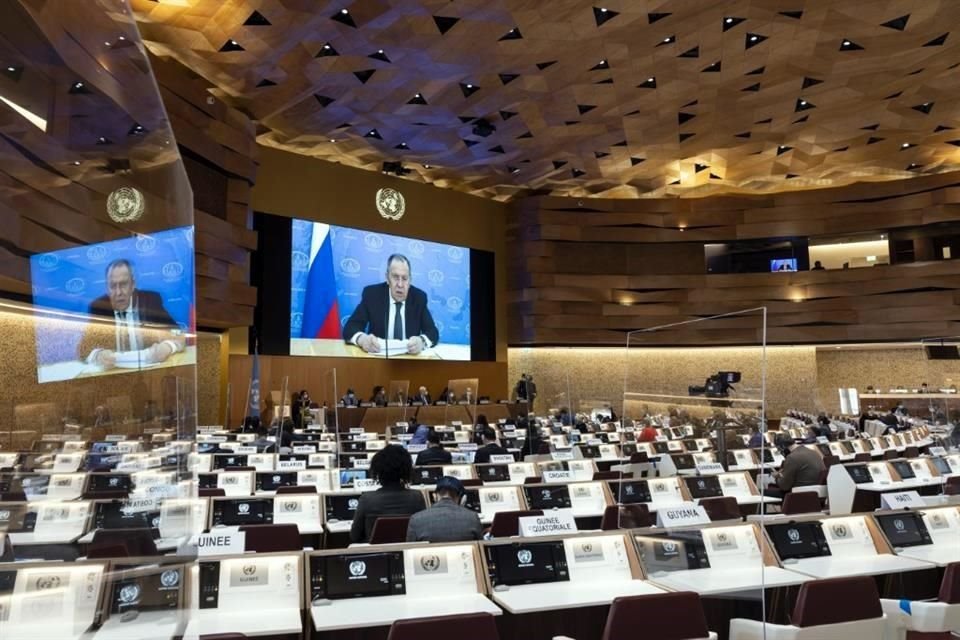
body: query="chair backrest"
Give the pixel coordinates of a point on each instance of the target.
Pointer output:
(800, 502)
(212, 492)
(911, 452)
(950, 587)
(639, 457)
(507, 523)
(531, 480)
(223, 636)
(297, 488)
(890, 454)
(471, 626)
(830, 460)
(725, 508)
(952, 486)
(472, 482)
(264, 538)
(667, 616)
(862, 457)
(389, 530)
(122, 543)
(627, 516)
(836, 600)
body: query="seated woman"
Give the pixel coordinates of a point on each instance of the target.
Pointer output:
(391, 467)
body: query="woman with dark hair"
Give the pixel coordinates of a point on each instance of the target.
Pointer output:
(391, 467)
(379, 397)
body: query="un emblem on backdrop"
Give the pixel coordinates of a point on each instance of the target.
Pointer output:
(435, 276)
(373, 242)
(125, 204)
(390, 203)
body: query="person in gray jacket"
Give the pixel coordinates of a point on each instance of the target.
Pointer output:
(446, 520)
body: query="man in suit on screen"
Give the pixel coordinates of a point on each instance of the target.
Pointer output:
(394, 310)
(141, 324)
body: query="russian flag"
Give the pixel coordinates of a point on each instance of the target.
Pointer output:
(321, 313)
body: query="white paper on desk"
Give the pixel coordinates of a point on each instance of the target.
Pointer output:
(393, 348)
(447, 570)
(850, 536)
(597, 559)
(731, 547)
(943, 525)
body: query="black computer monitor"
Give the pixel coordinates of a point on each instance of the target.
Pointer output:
(108, 483)
(158, 590)
(207, 480)
(942, 466)
(590, 451)
(768, 456)
(224, 460)
(117, 515)
(859, 473)
(904, 469)
(683, 461)
(680, 551)
(340, 506)
(847, 446)
(527, 563)
(628, 449)
(548, 496)
(704, 487)
(272, 480)
(16, 517)
(661, 448)
(824, 449)
(239, 511)
(493, 472)
(347, 476)
(794, 540)
(509, 443)
(353, 446)
(905, 529)
(448, 436)
(630, 491)
(357, 575)
(32, 485)
(426, 475)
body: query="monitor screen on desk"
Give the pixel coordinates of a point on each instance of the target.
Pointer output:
(225, 460)
(341, 507)
(684, 461)
(116, 515)
(859, 473)
(272, 480)
(527, 563)
(426, 475)
(704, 487)
(904, 470)
(630, 491)
(824, 449)
(347, 476)
(679, 551)
(661, 447)
(108, 482)
(799, 540)
(357, 575)
(590, 451)
(207, 480)
(548, 497)
(158, 590)
(239, 511)
(628, 449)
(905, 529)
(494, 472)
(33, 486)
(847, 446)
(767, 455)
(942, 466)
(16, 517)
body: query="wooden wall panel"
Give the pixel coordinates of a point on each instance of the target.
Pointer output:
(587, 272)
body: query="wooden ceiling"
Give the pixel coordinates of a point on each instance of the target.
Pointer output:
(620, 98)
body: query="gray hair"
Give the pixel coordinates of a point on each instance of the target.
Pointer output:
(119, 262)
(398, 257)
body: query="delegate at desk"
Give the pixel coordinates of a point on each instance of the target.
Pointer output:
(394, 310)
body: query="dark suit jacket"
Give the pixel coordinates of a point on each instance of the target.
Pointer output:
(151, 311)
(372, 314)
(483, 453)
(386, 501)
(418, 398)
(434, 455)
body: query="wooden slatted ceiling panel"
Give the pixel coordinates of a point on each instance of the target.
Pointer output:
(565, 290)
(652, 97)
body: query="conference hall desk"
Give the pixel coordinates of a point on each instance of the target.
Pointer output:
(76, 369)
(433, 415)
(339, 348)
(857, 487)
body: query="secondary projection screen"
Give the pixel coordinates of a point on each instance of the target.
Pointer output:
(360, 293)
(115, 306)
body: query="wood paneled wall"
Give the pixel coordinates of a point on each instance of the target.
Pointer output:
(220, 145)
(589, 271)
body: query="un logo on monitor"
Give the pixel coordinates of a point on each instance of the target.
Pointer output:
(170, 578)
(358, 568)
(243, 508)
(898, 524)
(129, 593)
(352, 504)
(430, 562)
(146, 244)
(524, 556)
(75, 286)
(794, 535)
(48, 262)
(97, 254)
(435, 276)
(249, 569)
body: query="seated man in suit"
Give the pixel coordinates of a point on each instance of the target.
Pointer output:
(422, 397)
(434, 453)
(490, 447)
(394, 309)
(141, 325)
(446, 520)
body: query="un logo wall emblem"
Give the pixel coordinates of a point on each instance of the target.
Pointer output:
(390, 203)
(125, 204)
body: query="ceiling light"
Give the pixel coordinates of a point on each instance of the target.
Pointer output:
(380, 51)
(344, 11)
(106, 44)
(31, 117)
(753, 38)
(76, 163)
(603, 9)
(233, 42)
(121, 38)
(326, 46)
(728, 20)
(469, 86)
(11, 69)
(78, 85)
(803, 102)
(426, 166)
(651, 79)
(667, 39)
(846, 43)
(332, 140)
(905, 145)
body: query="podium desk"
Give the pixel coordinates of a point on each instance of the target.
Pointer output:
(533, 598)
(493, 412)
(433, 415)
(930, 535)
(148, 625)
(385, 610)
(345, 418)
(377, 419)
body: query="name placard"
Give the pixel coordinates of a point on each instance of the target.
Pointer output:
(222, 542)
(244, 449)
(115, 438)
(938, 451)
(365, 484)
(558, 476)
(304, 448)
(416, 448)
(501, 458)
(684, 515)
(361, 463)
(467, 446)
(562, 455)
(710, 468)
(356, 429)
(555, 523)
(291, 465)
(902, 500)
(822, 440)
(141, 504)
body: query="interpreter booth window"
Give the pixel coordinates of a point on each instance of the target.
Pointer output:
(99, 314)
